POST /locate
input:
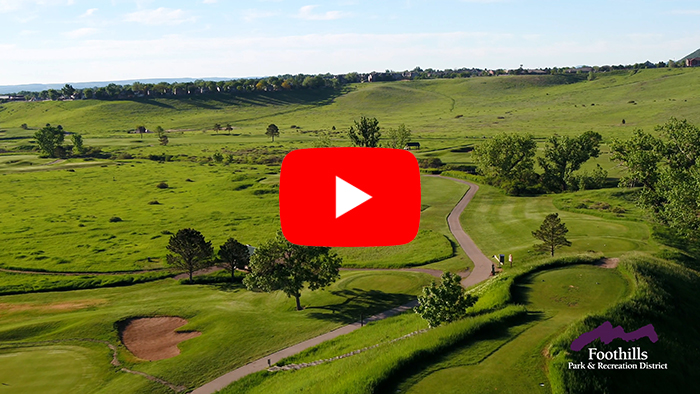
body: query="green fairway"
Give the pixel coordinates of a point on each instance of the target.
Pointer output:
(237, 325)
(55, 370)
(501, 224)
(512, 361)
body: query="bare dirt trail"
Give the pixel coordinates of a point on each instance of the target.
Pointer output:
(482, 271)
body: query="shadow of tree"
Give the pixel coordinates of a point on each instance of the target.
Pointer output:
(357, 304)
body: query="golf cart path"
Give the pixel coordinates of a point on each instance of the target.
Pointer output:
(481, 272)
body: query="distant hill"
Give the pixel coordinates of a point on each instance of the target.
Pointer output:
(692, 55)
(38, 87)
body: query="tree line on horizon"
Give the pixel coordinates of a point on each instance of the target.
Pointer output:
(302, 81)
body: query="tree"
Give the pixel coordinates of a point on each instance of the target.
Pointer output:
(50, 139)
(365, 133)
(507, 160)
(552, 233)
(67, 91)
(399, 137)
(563, 155)
(217, 128)
(190, 251)
(444, 303)
(141, 129)
(228, 128)
(272, 131)
(282, 265)
(78, 143)
(162, 137)
(233, 256)
(668, 169)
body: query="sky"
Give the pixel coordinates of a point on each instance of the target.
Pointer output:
(59, 41)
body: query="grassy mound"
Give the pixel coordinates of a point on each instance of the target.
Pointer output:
(665, 296)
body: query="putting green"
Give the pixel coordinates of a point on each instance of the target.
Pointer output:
(48, 370)
(511, 361)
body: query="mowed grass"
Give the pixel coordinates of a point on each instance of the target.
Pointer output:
(501, 224)
(513, 362)
(237, 325)
(63, 369)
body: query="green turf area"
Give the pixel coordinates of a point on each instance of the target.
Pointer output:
(237, 325)
(501, 224)
(55, 370)
(513, 362)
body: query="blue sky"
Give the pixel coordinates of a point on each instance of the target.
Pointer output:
(56, 41)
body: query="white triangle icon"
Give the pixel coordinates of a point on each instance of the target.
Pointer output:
(347, 197)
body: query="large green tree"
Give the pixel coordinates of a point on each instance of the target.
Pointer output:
(49, 139)
(365, 133)
(282, 265)
(508, 160)
(189, 251)
(445, 302)
(668, 170)
(563, 155)
(552, 233)
(233, 256)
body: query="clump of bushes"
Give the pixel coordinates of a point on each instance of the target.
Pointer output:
(162, 185)
(115, 219)
(154, 202)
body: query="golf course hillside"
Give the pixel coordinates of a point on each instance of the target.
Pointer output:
(142, 252)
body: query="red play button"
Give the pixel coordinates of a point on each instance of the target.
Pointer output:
(350, 197)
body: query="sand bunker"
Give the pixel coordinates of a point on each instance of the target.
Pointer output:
(154, 338)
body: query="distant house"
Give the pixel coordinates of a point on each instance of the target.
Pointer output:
(412, 145)
(693, 62)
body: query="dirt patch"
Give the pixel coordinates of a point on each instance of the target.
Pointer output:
(608, 263)
(62, 306)
(155, 338)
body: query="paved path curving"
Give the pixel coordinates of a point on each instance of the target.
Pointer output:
(482, 264)
(481, 272)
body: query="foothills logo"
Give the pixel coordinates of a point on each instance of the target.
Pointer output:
(607, 333)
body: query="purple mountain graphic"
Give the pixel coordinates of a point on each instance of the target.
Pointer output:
(607, 333)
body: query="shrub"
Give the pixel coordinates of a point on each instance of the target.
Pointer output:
(24, 126)
(115, 219)
(162, 185)
(124, 156)
(154, 202)
(619, 210)
(431, 162)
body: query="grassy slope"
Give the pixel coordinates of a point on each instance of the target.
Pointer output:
(542, 105)
(564, 295)
(250, 324)
(503, 224)
(666, 297)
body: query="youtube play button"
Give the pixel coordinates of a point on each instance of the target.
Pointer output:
(350, 197)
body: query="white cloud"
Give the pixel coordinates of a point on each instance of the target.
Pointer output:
(209, 1)
(159, 16)
(82, 32)
(252, 15)
(88, 12)
(307, 12)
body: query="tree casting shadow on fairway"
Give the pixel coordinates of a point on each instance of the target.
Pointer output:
(358, 303)
(405, 376)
